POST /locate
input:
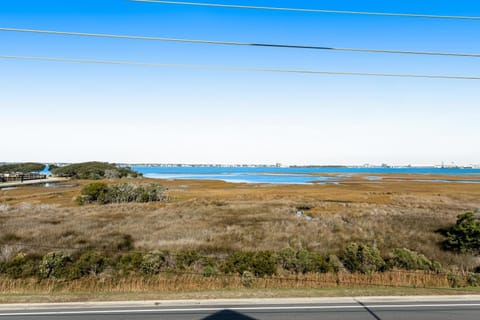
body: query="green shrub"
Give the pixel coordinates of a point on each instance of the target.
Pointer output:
(20, 266)
(90, 263)
(473, 279)
(209, 271)
(454, 280)
(287, 259)
(335, 263)
(303, 261)
(311, 262)
(260, 263)
(94, 192)
(56, 265)
(411, 260)
(186, 258)
(464, 236)
(102, 193)
(152, 263)
(129, 263)
(362, 258)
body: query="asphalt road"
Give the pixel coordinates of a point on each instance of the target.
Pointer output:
(356, 309)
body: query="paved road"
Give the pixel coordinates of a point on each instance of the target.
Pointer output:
(356, 309)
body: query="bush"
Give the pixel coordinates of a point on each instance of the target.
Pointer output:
(90, 263)
(311, 262)
(260, 263)
(303, 261)
(152, 263)
(473, 279)
(287, 259)
(362, 258)
(247, 279)
(454, 280)
(20, 266)
(411, 260)
(209, 271)
(102, 193)
(464, 236)
(94, 192)
(129, 263)
(185, 258)
(335, 263)
(56, 265)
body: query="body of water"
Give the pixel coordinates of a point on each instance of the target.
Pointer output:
(295, 175)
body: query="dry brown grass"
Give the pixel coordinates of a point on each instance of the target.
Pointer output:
(218, 216)
(180, 282)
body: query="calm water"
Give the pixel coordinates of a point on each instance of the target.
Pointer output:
(293, 175)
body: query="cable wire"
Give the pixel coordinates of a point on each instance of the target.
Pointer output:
(230, 68)
(369, 13)
(236, 43)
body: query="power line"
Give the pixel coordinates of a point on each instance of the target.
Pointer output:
(369, 13)
(236, 43)
(231, 68)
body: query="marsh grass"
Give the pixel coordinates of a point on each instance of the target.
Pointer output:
(192, 282)
(217, 217)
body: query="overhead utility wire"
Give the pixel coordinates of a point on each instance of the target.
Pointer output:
(236, 43)
(229, 68)
(369, 13)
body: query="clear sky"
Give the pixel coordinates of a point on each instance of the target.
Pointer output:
(66, 112)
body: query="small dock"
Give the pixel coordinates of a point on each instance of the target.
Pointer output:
(13, 184)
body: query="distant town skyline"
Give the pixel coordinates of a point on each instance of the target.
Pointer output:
(71, 112)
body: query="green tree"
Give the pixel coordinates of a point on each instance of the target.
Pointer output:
(94, 171)
(464, 236)
(22, 167)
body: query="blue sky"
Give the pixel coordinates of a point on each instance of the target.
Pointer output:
(77, 112)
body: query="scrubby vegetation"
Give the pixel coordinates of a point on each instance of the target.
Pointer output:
(219, 234)
(22, 167)
(464, 236)
(102, 193)
(258, 263)
(362, 258)
(247, 266)
(94, 171)
(403, 258)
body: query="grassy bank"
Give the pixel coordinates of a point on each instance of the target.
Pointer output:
(171, 286)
